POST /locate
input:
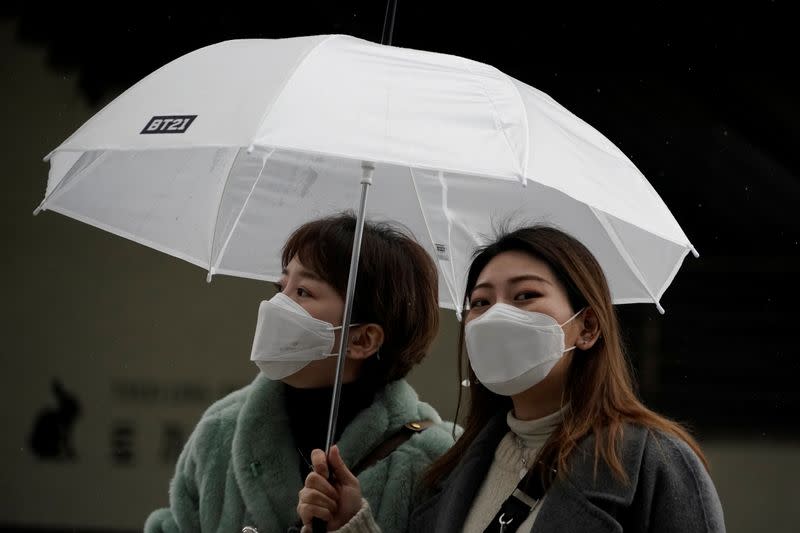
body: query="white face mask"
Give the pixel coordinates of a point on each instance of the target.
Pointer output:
(288, 338)
(512, 350)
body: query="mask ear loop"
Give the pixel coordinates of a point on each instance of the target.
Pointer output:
(570, 319)
(334, 328)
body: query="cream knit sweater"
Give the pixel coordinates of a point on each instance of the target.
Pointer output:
(512, 458)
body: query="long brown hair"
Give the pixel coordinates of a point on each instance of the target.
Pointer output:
(599, 390)
(397, 286)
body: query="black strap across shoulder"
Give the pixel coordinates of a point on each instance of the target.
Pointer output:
(391, 444)
(518, 505)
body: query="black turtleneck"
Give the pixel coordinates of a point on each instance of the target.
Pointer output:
(309, 410)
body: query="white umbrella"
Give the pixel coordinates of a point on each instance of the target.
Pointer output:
(216, 157)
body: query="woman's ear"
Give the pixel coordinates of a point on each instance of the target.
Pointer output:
(590, 330)
(365, 340)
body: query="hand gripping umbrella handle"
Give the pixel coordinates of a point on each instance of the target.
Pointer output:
(318, 525)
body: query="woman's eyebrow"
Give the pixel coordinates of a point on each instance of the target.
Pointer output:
(304, 273)
(515, 279)
(528, 277)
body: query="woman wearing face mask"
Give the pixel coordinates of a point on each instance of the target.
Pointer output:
(246, 460)
(555, 437)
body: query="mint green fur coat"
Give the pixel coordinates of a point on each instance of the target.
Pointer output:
(240, 466)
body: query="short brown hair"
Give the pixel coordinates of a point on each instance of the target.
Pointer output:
(396, 288)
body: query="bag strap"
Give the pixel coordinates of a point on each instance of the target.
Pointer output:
(385, 448)
(519, 504)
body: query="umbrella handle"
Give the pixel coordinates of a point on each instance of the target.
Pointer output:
(318, 525)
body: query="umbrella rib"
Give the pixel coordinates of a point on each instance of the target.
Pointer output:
(70, 178)
(448, 284)
(520, 174)
(299, 64)
(213, 269)
(449, 218)
(677, 267)
(526, 128)
(612, 233)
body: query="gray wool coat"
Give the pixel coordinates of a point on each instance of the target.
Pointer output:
(669, 489)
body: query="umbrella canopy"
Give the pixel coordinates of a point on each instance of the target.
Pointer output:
(216, 157)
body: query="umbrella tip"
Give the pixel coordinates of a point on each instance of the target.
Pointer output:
(37, 210)
(660, 309)
(209, 276)
(695, 253)
(251, 148)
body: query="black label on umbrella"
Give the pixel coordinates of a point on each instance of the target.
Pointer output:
(169, 124)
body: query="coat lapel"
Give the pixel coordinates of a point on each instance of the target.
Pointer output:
(448, 509)
(265, 462)
(565, 504)
(587, 501)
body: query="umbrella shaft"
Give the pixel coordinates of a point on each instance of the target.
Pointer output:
(388, 21)
(348, 305)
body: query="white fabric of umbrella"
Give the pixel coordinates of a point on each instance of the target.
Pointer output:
(216, 157)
